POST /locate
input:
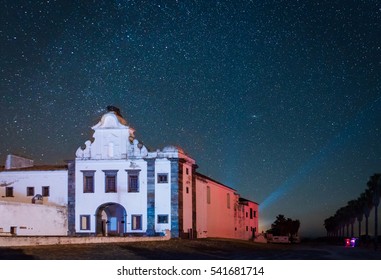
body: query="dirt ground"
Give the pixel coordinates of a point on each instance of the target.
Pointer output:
(200, 249)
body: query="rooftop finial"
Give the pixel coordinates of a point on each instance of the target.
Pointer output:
(111, 108)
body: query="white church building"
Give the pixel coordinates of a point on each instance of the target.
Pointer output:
(116, 187)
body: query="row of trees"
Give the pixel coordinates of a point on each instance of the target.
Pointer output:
(342, 222)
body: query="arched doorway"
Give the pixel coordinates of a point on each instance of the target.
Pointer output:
(111, 219)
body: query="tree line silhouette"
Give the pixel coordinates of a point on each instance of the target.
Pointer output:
(341, 224)
(284, 226)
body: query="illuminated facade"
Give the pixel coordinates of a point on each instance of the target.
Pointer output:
(33, 199)
(115, 186)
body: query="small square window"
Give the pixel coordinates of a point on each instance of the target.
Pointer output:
(45, 191)
(85, 222)
(162, 178)
(30, 191)
(9, 191)
(162, 219)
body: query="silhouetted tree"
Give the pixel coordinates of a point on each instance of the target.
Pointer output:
(283, 226)
(294, 227)
(340, 219)
(352, 214)
(329, 226)
(366, 200)
(374, 187)
(359, 212)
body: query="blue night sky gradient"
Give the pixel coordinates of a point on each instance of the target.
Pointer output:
(277, 99)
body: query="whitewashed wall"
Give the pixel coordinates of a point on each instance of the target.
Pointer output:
(162, 194)
(88, 203)
(57, 181)
(33, 219)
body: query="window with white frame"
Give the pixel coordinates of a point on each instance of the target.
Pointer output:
(45, 191)
(162, 178)
(9, 192)
(29, 191)
(162, 219)
(110, 180)
(85, 222)
(88, 181)
(136, 222)
(133, 181)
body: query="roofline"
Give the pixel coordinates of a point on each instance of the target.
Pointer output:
(215, 181)
(244, 199)
(37, 168)
(20, 156)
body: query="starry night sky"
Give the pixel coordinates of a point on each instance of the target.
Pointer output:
(278, 99)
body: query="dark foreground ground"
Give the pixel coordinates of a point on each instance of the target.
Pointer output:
(202, 249)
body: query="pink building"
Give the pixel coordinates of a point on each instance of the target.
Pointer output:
(221, 212)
